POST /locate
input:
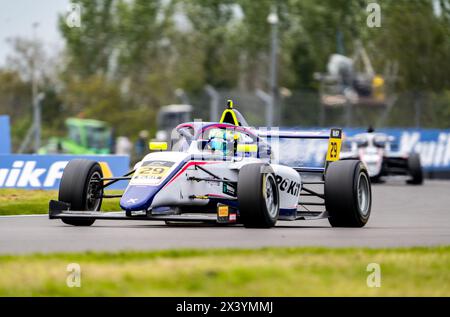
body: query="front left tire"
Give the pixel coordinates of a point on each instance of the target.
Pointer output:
(348, 194)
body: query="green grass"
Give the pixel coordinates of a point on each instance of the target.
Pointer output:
(226, 272)
(22, 202)
(263, 272)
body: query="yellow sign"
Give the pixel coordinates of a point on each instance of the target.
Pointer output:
(149, 170)
(334, 145)
(151, 173)
(222, 211)
(247, 148)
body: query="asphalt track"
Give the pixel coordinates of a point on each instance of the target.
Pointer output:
(401, 216)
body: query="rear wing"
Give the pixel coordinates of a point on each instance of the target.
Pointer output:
(334, 138)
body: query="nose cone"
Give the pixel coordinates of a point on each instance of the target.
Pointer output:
(138, 197)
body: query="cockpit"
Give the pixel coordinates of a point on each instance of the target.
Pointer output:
(230, 137)
(378, 140)
(220, 139)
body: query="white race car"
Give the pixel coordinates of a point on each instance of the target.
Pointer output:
(375, 150)
(221, 172)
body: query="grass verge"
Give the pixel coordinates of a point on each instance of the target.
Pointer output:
(25, 202)
(227, 272)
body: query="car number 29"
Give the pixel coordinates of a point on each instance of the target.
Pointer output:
(151, 173)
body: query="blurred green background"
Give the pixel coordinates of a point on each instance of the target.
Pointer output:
(129, 58)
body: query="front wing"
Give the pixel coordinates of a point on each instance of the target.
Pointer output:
(60, 210)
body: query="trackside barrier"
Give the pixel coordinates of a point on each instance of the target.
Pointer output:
(45, 171)
(5, 137)
(433, 146)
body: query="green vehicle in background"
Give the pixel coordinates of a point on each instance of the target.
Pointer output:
(84, 136)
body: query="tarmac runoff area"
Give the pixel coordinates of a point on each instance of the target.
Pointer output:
(402, 215)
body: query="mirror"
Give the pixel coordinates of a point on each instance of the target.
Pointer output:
(157, 146)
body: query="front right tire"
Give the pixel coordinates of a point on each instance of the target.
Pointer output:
(415, 169)
(258, 196)
(80, 188)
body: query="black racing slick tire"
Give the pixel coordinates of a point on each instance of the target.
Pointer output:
(79, 189)
(258, 196)
(348, 194)
(415, 169)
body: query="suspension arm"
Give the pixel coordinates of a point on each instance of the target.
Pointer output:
(313, 193)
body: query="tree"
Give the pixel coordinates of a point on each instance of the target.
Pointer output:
(144, 50)
(210, 22)
(418, 40)
(90, 45)
(28, 63)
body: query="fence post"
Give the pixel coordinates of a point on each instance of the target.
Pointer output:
(214, 103)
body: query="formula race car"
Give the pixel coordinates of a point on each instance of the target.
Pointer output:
(224, 173)
(376, 151)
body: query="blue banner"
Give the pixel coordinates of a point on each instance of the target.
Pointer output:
(433, 146)
(5, 136)
(45, 171)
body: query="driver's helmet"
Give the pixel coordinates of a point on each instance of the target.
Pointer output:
(222, 140)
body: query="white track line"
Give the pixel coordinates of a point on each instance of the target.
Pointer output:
(46, 215)
(18, 216)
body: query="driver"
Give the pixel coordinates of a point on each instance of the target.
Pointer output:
(222, 140)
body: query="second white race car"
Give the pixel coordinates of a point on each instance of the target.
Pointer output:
(376, 151)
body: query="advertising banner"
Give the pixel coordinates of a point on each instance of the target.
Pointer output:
(433, 146)
(45, 171)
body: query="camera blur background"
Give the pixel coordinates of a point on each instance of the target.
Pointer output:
(94, 77)
(318, 63)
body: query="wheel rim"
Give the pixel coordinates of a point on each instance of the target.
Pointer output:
(92, 200)
(363, 194)
(270, 195)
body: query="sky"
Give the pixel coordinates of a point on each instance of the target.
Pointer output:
(17, 18)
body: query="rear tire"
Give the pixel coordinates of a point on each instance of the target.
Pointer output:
(258, 196)
(78, 189)
(348, 194)
(415, 169)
